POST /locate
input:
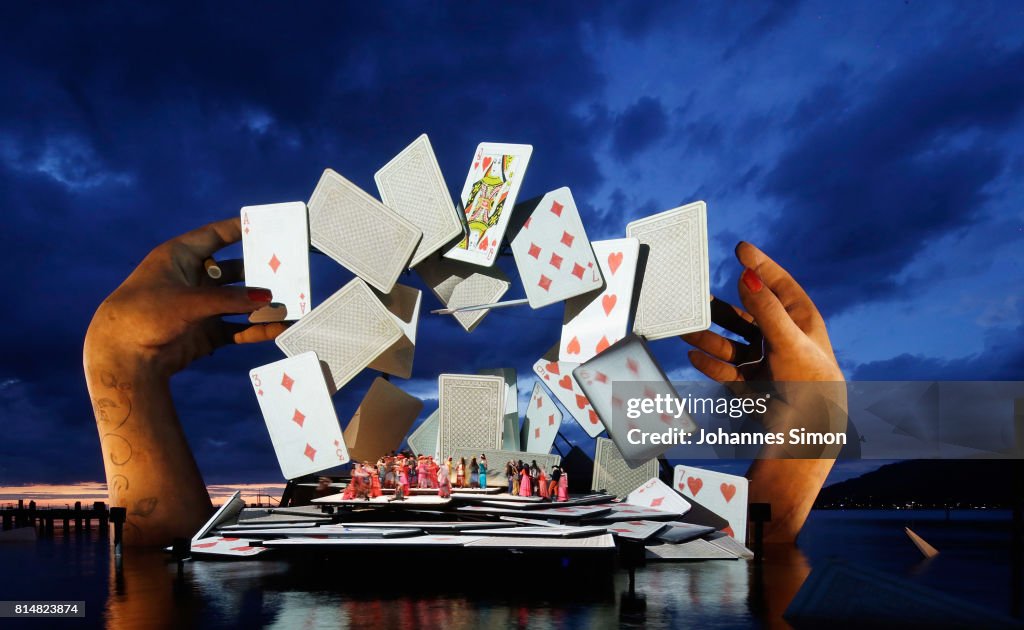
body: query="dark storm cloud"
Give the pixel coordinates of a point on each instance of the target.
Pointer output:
(774, 15)
(638, 127)
(876, 175)
(1001, 359)
(121, 128)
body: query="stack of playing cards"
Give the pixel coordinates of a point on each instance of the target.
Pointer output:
(660, 268)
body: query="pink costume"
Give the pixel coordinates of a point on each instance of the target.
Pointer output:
(542, 485)
(563, 487)
(444, 485)
(422, 474)
(403, 478)
(432, 465)
(525, 487)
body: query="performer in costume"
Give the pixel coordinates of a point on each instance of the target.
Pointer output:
(542, 484)
(460, 473)
(525, 483)
(444, 485)
(474, 474)
(563, 487)
(483, 470)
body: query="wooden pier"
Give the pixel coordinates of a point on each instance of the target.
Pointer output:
(46, 519)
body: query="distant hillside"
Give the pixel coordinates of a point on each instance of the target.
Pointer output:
(953, 483)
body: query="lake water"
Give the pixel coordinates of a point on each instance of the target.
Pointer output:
(974, 564)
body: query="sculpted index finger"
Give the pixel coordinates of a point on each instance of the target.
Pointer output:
(782, 284)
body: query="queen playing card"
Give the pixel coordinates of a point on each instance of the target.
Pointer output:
(488, 196)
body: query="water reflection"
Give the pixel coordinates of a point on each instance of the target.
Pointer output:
(390, 592)
(148, 591)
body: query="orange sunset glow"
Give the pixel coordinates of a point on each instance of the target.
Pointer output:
(52, 495)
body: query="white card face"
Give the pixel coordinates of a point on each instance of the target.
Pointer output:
(360, 233)
(543, 419)
(225, 546)
(557, 376)
(488, 196)
(553, 254)
(411, 184)
(675, 295)
(656, 495)
(623, 372)
(275, 248)
(725, 495)
(595, 321)
(300, 417)
(347, 331)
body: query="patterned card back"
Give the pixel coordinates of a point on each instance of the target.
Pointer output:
(613, 474)
(675, 294)
(459, 284)
(411, 184)
(359, 232)
(423, 441)
(347, 331)
(472, 411)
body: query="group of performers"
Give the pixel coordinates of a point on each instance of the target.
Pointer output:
(404, 471)
(529, 480)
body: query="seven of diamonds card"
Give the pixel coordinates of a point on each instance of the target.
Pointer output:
(552, 252)
(303, 426)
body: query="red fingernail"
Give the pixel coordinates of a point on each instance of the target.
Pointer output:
(260, 295)
(752, 280)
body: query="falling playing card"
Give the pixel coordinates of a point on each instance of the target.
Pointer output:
(543, 420)
(404, 305)
(557, 376)
(723, 494)
(411, 184)
(423, 441)
(457, 284)
(613, 474)
(347, 331)
(300, 417)
(628, 372)
(225, 546)
(275, 248)
(472, 411)
(381, 421)
(553, 254)
(674, 292)
(595, 321)
(510, 434)
(360, 233)
(655, 494)
(488, 196)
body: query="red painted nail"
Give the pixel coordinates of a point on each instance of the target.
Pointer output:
(752, 280)
(260, 295)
